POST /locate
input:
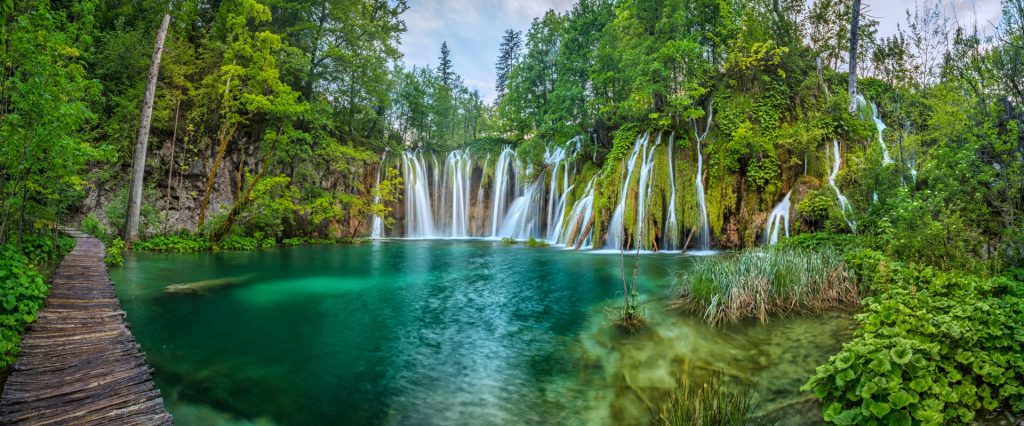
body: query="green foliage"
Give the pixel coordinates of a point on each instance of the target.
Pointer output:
(237, 243)
(758, 283)
(179, 243)
(707, 398)
(114, 256)
(117, 211)
(933, 348)
(23, 290)
(817, 209)
(93, 226)
(508, 242)
(45, 248)
(533, 242)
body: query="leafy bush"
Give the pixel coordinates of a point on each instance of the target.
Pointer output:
(760, 282)
(22, 291)
(238, 243)
(820, 241)
(91, 225)
(508, 242)
(935, 348)
(180, 243)
(43, 248)
(113, 255)
(533, 242)
(817, 209)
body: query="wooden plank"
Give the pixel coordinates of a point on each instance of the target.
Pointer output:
(79, 363)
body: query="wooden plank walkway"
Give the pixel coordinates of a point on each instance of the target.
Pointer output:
(79, 364)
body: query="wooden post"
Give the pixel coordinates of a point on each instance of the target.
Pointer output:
(131, 228)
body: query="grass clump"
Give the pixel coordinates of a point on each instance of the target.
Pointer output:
(766, 281)
(533, 242)
(507, 242)
(706, 398)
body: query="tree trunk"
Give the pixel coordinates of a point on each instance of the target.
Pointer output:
(225, 136)
(854, 27)
(131, 228)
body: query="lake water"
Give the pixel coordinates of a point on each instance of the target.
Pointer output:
(440, 332)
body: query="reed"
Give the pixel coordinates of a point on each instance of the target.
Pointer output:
(706, 398)
(762, 282)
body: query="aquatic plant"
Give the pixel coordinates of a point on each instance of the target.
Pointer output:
(508, 242)
(761, 282)
(704, 397)
(533, 242)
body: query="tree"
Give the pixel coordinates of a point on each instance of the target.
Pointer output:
(131, 229)
(852, 76)
(508, 56)
(251, 82)
(444, 67)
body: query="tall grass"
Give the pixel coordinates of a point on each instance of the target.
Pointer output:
(762, 282)
(706, 398)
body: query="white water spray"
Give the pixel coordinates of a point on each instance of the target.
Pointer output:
(778, 221)
(844, 204)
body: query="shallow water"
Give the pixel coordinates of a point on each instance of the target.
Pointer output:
(440, 332)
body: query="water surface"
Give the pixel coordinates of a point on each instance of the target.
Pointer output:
(437, 332)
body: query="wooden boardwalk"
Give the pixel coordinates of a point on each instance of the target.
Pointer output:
(79, 364)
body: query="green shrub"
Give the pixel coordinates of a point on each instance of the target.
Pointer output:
(22, 291)
(817, 208)
(113, 255)
(508, 242)
(180, 243)
(533, 242)
(820, 241)
(44, 248)
(91, 225)
(934, 348)
(761, 282)
(240, 243)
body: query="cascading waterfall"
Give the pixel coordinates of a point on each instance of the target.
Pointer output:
(579, 218)
(671, 222)
(886, 160)
(503, 168)
(556, 157)
(523, 218)
(419, 218)
(643, 195)
(615, 227)
(458, 169)
(844, 204)
(377, 228)
(705, 229)
(778, 221)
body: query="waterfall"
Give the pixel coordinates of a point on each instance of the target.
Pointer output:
(615, 228)
(419, 219)
(671, 221)
(705, 230)
(556, 158)
(579, 217)
(502, 169)
(458, 171)
(777, 221)
(886, 160)
(523, 218)
(644, 189)
(844, 204)
(377, 229)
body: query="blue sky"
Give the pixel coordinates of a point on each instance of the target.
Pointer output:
(473, 28)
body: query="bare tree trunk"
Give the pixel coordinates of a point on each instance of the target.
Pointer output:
(225, 136)
(131, 228)
(854, 27)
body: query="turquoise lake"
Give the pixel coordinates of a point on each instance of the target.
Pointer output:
(440, 332)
